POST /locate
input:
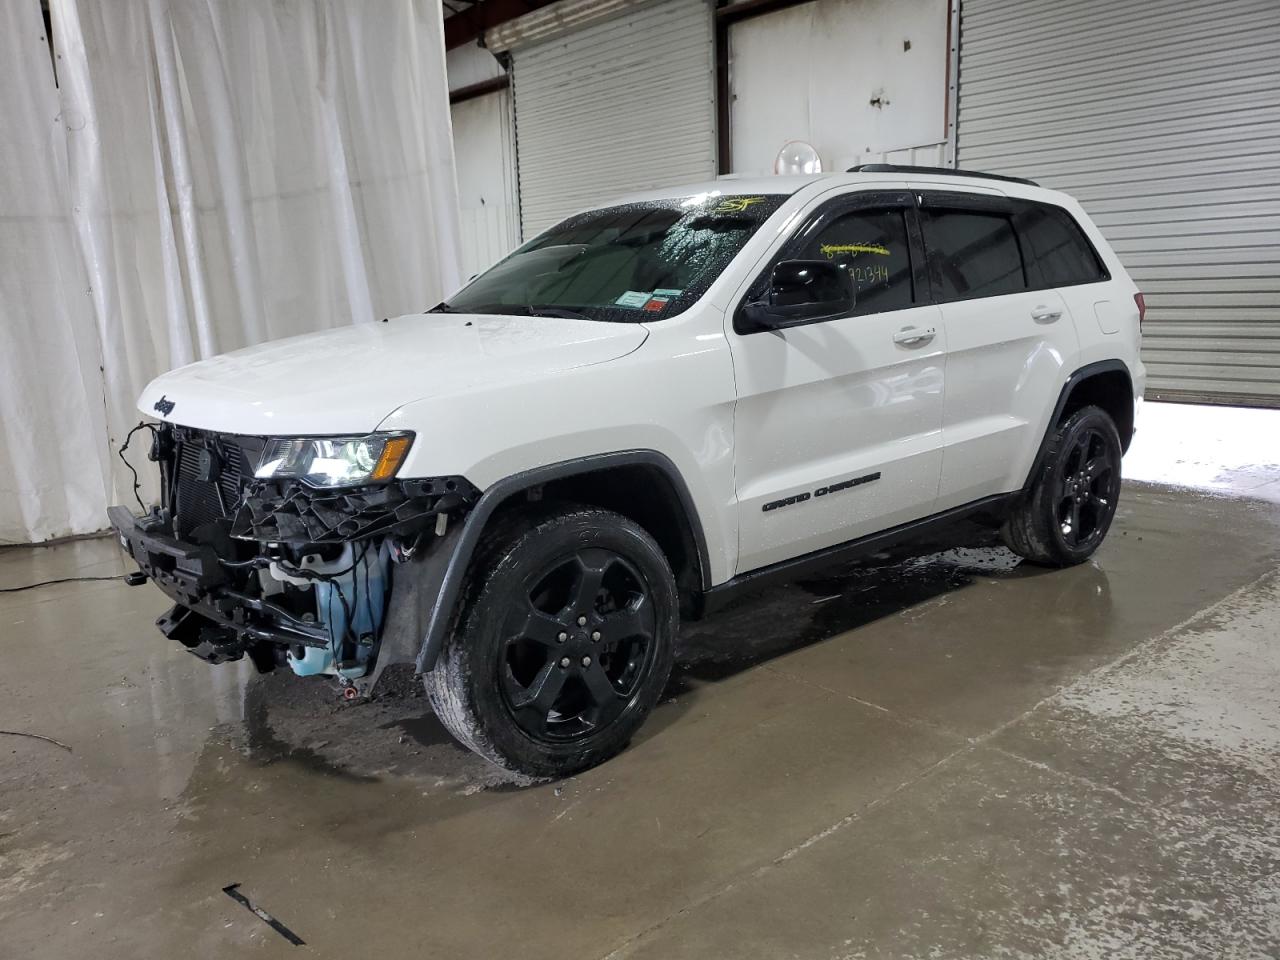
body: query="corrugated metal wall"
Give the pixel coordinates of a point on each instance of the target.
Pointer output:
(621, 105)
(1163, 118)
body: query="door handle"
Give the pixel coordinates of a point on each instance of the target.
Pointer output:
(1045, 314)
(909, 336)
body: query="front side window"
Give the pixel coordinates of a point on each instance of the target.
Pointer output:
(975, 254)
(872, 246)
(638, 262)
(1056, 247)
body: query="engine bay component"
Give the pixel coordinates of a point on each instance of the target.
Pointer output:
(350, 599)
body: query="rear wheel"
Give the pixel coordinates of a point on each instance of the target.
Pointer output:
(563, 646)
(1072, 501)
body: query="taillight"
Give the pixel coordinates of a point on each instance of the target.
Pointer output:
(1141, 301)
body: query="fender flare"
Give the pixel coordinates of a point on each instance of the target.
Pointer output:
(451, 566)
(1084, 373)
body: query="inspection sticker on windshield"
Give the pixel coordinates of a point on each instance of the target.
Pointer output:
(667, 293)
(634, 299)
(655, 304)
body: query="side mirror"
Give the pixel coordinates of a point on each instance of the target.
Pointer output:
(802, 291)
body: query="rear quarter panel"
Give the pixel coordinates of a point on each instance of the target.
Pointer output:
(1093, 307)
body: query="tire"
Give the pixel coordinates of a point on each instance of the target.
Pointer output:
(564, 643)
(1066, 513)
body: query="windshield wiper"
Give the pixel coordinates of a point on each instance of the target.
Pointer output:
(561, 312)
(514, 309)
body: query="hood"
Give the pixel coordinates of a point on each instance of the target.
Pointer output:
(350, 379)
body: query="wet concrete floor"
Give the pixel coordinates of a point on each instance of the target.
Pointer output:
(955, 756)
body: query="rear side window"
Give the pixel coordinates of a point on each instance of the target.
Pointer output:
(872, 246)
(1058, 253)
(975, 254)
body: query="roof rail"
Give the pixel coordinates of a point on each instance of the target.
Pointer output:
(936, 171)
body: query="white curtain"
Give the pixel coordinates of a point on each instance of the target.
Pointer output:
(53, 456)
(235, 172)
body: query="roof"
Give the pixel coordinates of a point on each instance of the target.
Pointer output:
(730, 186)
(735, 185)
(786, 186)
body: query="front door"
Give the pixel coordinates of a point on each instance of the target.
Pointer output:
(838, 425)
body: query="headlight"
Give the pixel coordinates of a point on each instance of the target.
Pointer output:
(335, 461)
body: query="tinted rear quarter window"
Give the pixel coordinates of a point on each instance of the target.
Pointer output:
(1058, 253)
(975, 254)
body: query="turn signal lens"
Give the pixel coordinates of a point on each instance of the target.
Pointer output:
(393, 454)
(1141, 301)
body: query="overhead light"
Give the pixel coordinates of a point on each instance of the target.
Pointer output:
(797, 157)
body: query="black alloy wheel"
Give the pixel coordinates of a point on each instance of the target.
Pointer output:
(1087, 489)
(564, 643)
(1068, 507)
(578, 642)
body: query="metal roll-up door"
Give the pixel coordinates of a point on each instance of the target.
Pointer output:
(620, 105)
(1163, 118)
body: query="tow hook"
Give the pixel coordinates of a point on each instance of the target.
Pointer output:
(349, 692)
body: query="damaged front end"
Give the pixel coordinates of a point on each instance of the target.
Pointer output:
(273, 567)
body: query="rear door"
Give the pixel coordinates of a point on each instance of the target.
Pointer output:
(837, 430)
(1007, 343)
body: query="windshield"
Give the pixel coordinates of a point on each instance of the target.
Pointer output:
(641, 261)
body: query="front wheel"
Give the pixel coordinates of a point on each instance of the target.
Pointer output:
(563, 646)
(1065, 515)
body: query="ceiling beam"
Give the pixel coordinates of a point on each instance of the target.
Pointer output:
(727, 13)
(472, 23)
(493, 85)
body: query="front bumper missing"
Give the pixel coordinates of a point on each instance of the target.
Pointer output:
(196, 548)
(191, 576)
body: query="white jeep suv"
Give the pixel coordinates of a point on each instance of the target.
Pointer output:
(642, 411)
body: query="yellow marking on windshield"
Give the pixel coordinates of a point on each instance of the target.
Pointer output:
(737, 204)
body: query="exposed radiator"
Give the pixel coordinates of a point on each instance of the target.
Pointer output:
(209, 481)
